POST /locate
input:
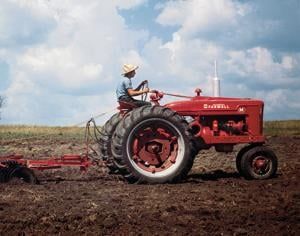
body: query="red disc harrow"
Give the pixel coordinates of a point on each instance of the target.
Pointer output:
(16, 165)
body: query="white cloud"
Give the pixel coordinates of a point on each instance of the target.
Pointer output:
(58, 66)
(280, 103)
(79, 58)
(288, 62)
(133, 57)
(260, 64)
(246, 72)
(24, 22)
(66, 65)
(180, 64)
(127, 4)
(200, 15)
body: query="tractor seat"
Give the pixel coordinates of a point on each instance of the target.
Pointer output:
(126, 105)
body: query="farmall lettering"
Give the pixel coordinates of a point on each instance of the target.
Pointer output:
(215, 106)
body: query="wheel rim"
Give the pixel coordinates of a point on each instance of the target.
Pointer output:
(155, 147)
(261, 165)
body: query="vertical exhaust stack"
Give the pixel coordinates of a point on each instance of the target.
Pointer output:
(216, 83)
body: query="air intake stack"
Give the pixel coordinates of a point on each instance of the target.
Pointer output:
(216, 83)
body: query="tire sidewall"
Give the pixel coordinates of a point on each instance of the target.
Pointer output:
(105, 144)
(172, 177)
(240, 154)
(250, 155)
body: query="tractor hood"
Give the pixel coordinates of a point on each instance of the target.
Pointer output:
(200, 104)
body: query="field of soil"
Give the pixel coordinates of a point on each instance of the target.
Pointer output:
(214, 200)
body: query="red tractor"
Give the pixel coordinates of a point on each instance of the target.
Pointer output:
(158, 144)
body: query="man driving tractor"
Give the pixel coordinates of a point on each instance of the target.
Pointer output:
(125, 91)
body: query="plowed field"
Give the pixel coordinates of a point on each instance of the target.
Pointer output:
(214, 200)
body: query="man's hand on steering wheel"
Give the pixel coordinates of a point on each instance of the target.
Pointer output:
(146, 90)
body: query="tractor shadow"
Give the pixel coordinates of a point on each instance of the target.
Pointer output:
(212, 176)
(56, 180)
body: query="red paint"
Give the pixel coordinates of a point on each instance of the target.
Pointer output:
(216, 121)
(223, 120)
(81, 161)
(154, 148)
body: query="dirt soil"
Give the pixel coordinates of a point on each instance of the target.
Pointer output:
(214, 200)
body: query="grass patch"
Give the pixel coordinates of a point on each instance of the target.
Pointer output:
(12, 132)
(282, 127)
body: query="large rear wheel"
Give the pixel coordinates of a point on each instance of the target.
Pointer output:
(153, 145)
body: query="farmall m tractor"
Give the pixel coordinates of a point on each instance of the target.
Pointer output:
(158, 143)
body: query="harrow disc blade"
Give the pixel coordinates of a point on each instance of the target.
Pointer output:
(23, 173)
(19, 172)
(4, 175)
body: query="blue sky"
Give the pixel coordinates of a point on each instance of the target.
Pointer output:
(60, 60)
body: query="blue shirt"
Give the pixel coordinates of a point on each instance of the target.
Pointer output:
(122, 88)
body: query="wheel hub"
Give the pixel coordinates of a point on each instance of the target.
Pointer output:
(261, 165)
(154, 149)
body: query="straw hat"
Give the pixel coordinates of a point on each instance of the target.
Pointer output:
(128, 68)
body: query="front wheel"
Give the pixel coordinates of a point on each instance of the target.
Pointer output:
(258, 163)
(153, 145)
(240, 154)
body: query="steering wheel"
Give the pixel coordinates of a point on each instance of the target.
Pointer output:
(144, 95)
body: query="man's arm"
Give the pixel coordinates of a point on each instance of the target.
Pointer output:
(133, 92)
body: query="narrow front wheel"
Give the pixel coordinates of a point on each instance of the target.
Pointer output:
(258, 163)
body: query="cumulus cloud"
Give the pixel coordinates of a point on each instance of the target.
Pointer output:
(259, 68)
(236, 24)
(80, 58)
(59, 69)
(203, 16)
(24, 23)
(64, 57)
(127, 4)
(281, 103)
(238, 35)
